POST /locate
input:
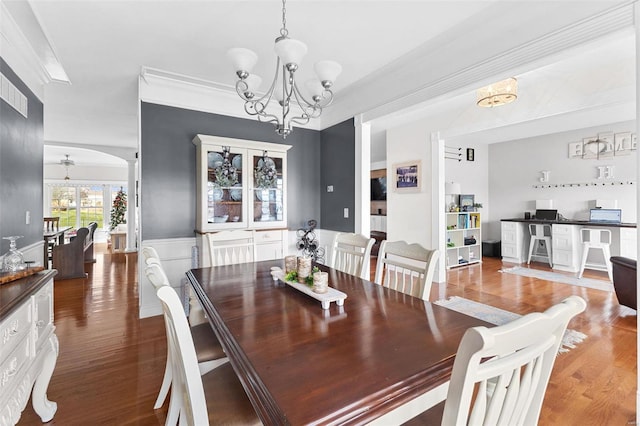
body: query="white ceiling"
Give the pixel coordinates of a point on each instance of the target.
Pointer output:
(103, 45)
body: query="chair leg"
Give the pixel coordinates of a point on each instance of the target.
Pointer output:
(585, 253)
(607, 261)
(549, 252)
(166, 383)
(532, 244)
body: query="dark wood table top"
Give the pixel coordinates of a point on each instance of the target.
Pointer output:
(14, 293)
(345, 365)
(56, 233)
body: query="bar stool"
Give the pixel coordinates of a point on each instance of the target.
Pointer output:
(599, 239)
(540, 233)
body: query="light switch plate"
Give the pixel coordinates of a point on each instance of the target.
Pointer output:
(346, 212)
(329, 188)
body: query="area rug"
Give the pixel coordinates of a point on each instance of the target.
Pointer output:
(498, 316)
(560, 278)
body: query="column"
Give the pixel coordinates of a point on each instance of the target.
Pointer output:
(131, 206)
(362, 223)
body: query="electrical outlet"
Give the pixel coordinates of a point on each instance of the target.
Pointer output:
(346, 212)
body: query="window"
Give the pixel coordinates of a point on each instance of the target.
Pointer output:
(63, 205)
(92, 205)
(77, 205)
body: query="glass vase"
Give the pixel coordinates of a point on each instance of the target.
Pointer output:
(13, 261)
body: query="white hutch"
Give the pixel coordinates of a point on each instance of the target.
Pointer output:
(242, 184)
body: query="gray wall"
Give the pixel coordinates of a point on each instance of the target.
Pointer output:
(21, 157)
(168, 167)
(338, 169)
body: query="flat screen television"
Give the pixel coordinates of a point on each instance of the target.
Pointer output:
(379, 189)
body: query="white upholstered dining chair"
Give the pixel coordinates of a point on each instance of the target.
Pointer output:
(351, 253)
(406, 267)
(500, 374)
(231, 247)
(210, 354)
(214, 398)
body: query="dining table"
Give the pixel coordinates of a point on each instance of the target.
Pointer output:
(350, 364)
(54, 235)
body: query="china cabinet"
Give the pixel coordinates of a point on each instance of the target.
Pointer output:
(242, 184)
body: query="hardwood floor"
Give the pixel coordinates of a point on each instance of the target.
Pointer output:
(111, 363)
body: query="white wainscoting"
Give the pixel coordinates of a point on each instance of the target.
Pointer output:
(33, 252)
(175, 255)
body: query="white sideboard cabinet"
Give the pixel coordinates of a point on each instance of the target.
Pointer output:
(29, 349)
(241, 184)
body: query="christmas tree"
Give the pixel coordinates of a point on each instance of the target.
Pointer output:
(118, 210)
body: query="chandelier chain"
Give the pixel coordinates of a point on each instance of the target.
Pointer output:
(283, 31)
(284, 86)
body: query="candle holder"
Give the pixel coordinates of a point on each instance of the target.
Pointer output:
(320, 282)
(304, 269)
(290, 264)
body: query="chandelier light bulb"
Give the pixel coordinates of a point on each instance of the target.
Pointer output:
(327, 72)
(291, 52)
(243, 60)
(316, 89)
(253, 82)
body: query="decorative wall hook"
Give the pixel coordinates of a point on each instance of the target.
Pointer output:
(545, 176)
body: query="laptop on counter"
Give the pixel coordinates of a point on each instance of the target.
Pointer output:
(546, 214)
(605, 215)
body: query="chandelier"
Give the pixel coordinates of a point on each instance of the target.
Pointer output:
(500, 93)
(67, 163)
(293, 106)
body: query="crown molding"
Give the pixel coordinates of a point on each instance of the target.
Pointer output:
(27, 49)
(183, 91)
(463, 64)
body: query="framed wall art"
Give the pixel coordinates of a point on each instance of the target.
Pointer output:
(466, 202)
(407, 176)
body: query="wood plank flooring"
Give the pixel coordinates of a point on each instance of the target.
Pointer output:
(111, 363)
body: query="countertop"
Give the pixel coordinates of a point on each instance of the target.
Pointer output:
(13, 293)
(572, 222)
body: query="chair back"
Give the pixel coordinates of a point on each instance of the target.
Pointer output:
(540, 230)
(186, 386)
(51, 224)
(150, 255)
(155, 274)
(231, 247)
(351, 253)
(500, 374)
(595, 237)
(406, 267)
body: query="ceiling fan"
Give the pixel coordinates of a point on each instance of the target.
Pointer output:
(66, 163)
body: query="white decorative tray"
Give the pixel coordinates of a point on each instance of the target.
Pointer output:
(332, 295)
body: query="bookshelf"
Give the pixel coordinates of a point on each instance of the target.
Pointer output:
(464, 239)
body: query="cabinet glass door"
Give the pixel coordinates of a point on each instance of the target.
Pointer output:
(268, 188)
(225, 187)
